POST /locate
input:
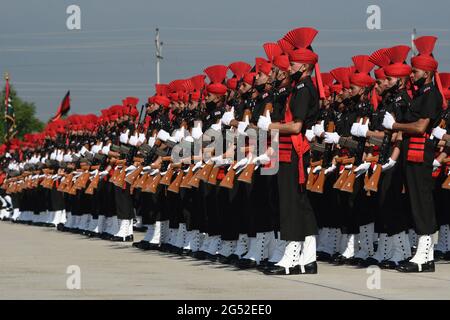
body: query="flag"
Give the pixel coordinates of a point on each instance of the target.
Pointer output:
(10, 118)
(64, 107)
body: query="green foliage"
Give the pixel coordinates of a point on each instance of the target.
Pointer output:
(25, 112)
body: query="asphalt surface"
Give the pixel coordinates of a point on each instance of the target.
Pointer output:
(34, 262)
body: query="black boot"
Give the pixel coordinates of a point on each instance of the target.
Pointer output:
(246, 264)
(438, 255)
(447, 256)
(323, 256)
(339, 260)
(410, 267)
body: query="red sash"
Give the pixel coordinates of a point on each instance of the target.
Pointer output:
(299, 142)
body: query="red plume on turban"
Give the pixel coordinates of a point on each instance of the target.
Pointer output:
(272, 50)
(380, 59)
(239, 68)
(342, 76)
(363, 67)
(398, 68)
(216, 75)
(425, 60)
(445, 81)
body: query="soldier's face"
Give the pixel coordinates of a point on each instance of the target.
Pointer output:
(261, 78)
(244, 87)
(355, 90)
(380, 86)
(390, 82)
(417, 74)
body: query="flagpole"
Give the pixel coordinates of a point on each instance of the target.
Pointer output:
(6, 103)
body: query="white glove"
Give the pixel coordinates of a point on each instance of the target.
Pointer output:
(436, 165)
(354, 129)
(83, 151)
(179, 134)
(172, 139)
(438, 132)
(141, 138)
(388, 121)
(133, 140)
(264, 123)
(103, 173)
(197, 165)
(96, 148)
(105, 149)
(216, 159)
(216, 126)
(362, 168)
(242, 126)
(331, 137)
(330, 169)
(227, 117)
(124, 137)
(348, 166)
(151, 141)
(146, 168)
(241, 163)
(319, 129)
(154, 172)
(163, 135)
(389, 165)
(261, 160)
(197, 131)
(130, 168)
(362, 130)
(309, 134)
(221, 161)
(59, 157)
(93, 173)
(317, 169)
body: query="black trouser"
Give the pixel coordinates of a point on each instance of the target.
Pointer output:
(297, 219)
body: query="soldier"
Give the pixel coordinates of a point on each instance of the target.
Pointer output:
(297, 221)
(418, 153)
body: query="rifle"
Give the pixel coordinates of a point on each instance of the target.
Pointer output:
(383, 158)
(343, 176)
(350, 181)
(93, 185)
(312, 177)
(228, 180)
(446, 184)
(247, 174)
(327, 158)
(175, 185)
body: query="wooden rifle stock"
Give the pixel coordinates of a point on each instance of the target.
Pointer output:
(311, 175)
(153, 186)
(228, 180)
(120, 180)
(319, 184)
(371, 184)
(343, 176)
(93, 185)
(167, 179)
(134, 175)
(140, 182)
(187, 178)
(205, 172)
(446, 184)
(175, 185)
(349, 181)
(246, 175)
(213, 175)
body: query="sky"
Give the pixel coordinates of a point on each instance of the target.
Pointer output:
(113, 55)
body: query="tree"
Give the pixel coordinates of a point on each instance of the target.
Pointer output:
(25, 112)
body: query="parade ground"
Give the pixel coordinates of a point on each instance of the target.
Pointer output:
(35, 261)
